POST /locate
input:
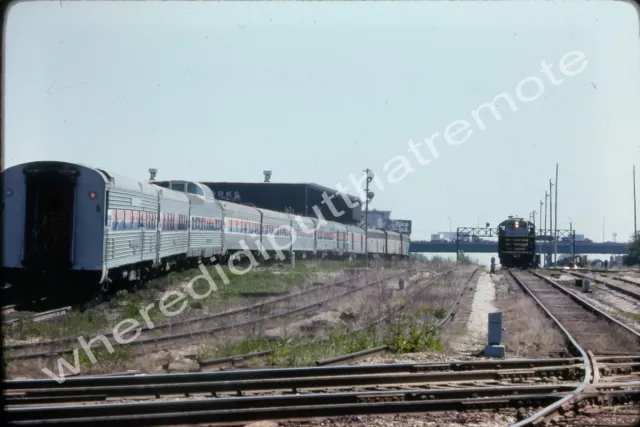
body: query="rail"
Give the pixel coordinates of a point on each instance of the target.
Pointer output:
(591, 375)
(627, 292)
(586, 365)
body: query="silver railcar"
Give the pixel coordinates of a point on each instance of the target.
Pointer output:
(276, 232)
(205, 219)
(376, 242)
(355, 240)
(303, 235)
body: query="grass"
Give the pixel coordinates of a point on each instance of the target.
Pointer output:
(528, 332)
(632, 316)
(289, 349)
(127, 305)
(408, 333)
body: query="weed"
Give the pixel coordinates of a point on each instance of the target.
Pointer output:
(440, 313)
(414, 333)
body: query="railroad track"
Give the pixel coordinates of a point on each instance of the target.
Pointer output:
(585, 328)
(592, 328)
(296, 380)
(320, 391)
(12, 317)
(262, 394)
(622, 279)
(317, 391)
(627, 287)
(238, 359)
(382, 349)
(184, 331)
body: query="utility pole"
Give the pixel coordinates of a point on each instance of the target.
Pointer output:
(573, 255)
(550, 217)
(541, 203)
(635, 223)
(555, 249)
(602, 229)
(369, 197)
(546, 198)
(540, 228)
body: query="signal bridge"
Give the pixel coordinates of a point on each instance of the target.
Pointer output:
(544, 238)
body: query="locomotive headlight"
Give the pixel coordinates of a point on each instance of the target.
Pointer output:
(92, 195)
(517, 224)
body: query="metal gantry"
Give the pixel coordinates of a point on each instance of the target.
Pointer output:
(470, 232)
(545, 235)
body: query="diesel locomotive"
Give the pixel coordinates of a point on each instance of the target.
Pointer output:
(517, 243)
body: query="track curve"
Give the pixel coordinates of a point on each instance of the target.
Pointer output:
(570, 314)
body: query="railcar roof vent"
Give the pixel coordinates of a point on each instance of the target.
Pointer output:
(152, 173)
(267, 176)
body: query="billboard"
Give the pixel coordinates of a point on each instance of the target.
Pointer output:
(399, 226)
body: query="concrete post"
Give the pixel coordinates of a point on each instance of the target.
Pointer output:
(494, 346)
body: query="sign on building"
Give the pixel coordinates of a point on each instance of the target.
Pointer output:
(232, 196)
(400, 226)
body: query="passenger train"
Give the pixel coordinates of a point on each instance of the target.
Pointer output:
(517, 243)
(71, 226)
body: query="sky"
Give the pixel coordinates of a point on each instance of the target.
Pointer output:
(319, 91)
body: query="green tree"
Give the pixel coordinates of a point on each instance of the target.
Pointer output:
(634, 251)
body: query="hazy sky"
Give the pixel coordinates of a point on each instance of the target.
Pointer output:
(317, 92)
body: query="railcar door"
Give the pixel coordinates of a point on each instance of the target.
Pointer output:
(50, 197)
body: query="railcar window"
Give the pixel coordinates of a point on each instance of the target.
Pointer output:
(194, 189)
(177, 187)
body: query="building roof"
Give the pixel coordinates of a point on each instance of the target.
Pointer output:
(316, 187)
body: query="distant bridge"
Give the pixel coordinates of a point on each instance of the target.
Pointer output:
(492, 247)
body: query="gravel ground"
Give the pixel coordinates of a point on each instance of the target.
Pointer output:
(444, 419)
(483, 303)
(426, 356)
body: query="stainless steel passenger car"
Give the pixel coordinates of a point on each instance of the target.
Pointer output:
(376, 242)
(393, 243)
(276, 232)
(303, 235)
(53, 224)
(355, 240)
(69, 226)
(131, 232)
(242, 228)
